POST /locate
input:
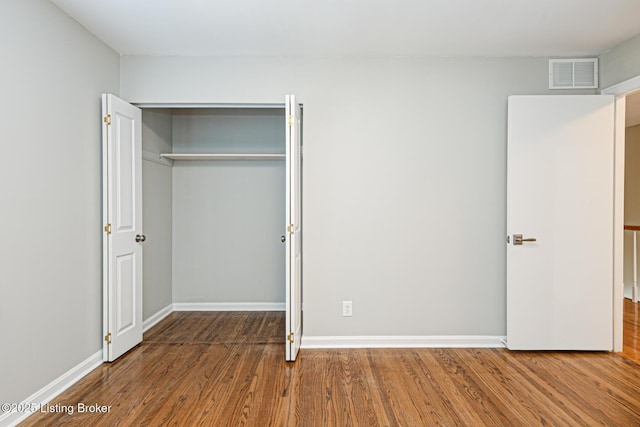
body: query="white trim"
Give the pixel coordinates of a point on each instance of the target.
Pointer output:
(150, 156)
(620, 91)
(623, 88)
(618, 221)
(53, 389)
(229, 306)
(105, 237)
(436, 341)
(156, 318)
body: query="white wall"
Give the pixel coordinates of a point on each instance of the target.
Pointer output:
(404, 179)
(51, 77)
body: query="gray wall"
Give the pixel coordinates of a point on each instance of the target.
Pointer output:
(51, 77)
(404, 179)
(213, 228)
(157, 188)
(620, 63)
(228, 216)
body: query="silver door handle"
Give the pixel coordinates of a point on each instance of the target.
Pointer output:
(518, 240)
(140, 238)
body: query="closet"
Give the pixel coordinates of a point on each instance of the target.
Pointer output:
(220, 193)
(227, 169)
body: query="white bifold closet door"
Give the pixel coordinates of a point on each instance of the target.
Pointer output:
(122, 215)
(560, 172)
(293, 269)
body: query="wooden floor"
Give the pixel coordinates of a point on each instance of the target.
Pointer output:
(227, 369)
(631, 331)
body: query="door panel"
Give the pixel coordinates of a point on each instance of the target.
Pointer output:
(294, 229)
(122, 213)
(125, 293)
(560, 192)
(125, 171)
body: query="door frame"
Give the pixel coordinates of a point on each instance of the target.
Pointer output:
(620, 91)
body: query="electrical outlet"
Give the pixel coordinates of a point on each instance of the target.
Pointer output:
(347, 308)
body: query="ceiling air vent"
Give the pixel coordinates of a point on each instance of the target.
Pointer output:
(573, 73)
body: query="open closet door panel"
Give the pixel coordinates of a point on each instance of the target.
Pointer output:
(122, 214)
(294, 230)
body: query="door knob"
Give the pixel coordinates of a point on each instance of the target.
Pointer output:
(283, 239)
(140, 238)
(518, 240)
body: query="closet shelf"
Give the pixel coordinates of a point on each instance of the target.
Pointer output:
(176, 156)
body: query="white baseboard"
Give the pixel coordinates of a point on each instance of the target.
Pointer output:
(53, 389)
(454, 341)
(156, 318)
(228, 306)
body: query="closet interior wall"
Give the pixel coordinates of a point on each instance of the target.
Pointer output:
(213, 227)
(157, 207)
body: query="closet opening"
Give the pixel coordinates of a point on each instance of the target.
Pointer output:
(214, 208)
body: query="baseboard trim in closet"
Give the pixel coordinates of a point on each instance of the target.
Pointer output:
(453, 341)
(157, 317)
(229, 306)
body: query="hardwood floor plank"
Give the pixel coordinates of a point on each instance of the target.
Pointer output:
(352, 396)
(413, 387)
(560, 377)
(203, 369)
(510, 384)
(479, 405)
(553, 386)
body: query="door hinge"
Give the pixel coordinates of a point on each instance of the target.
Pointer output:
(107, 119)
(290, 337)
(107, 338)
(508, 239)
(290, 228)
(290, 120)
(107, 228)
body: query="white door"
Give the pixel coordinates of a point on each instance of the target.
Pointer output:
(122, 214)
(294, 230)
(560, 193)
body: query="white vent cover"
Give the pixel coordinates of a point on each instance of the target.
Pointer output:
(573, 73)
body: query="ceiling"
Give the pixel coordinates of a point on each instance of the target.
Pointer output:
(358, 27)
